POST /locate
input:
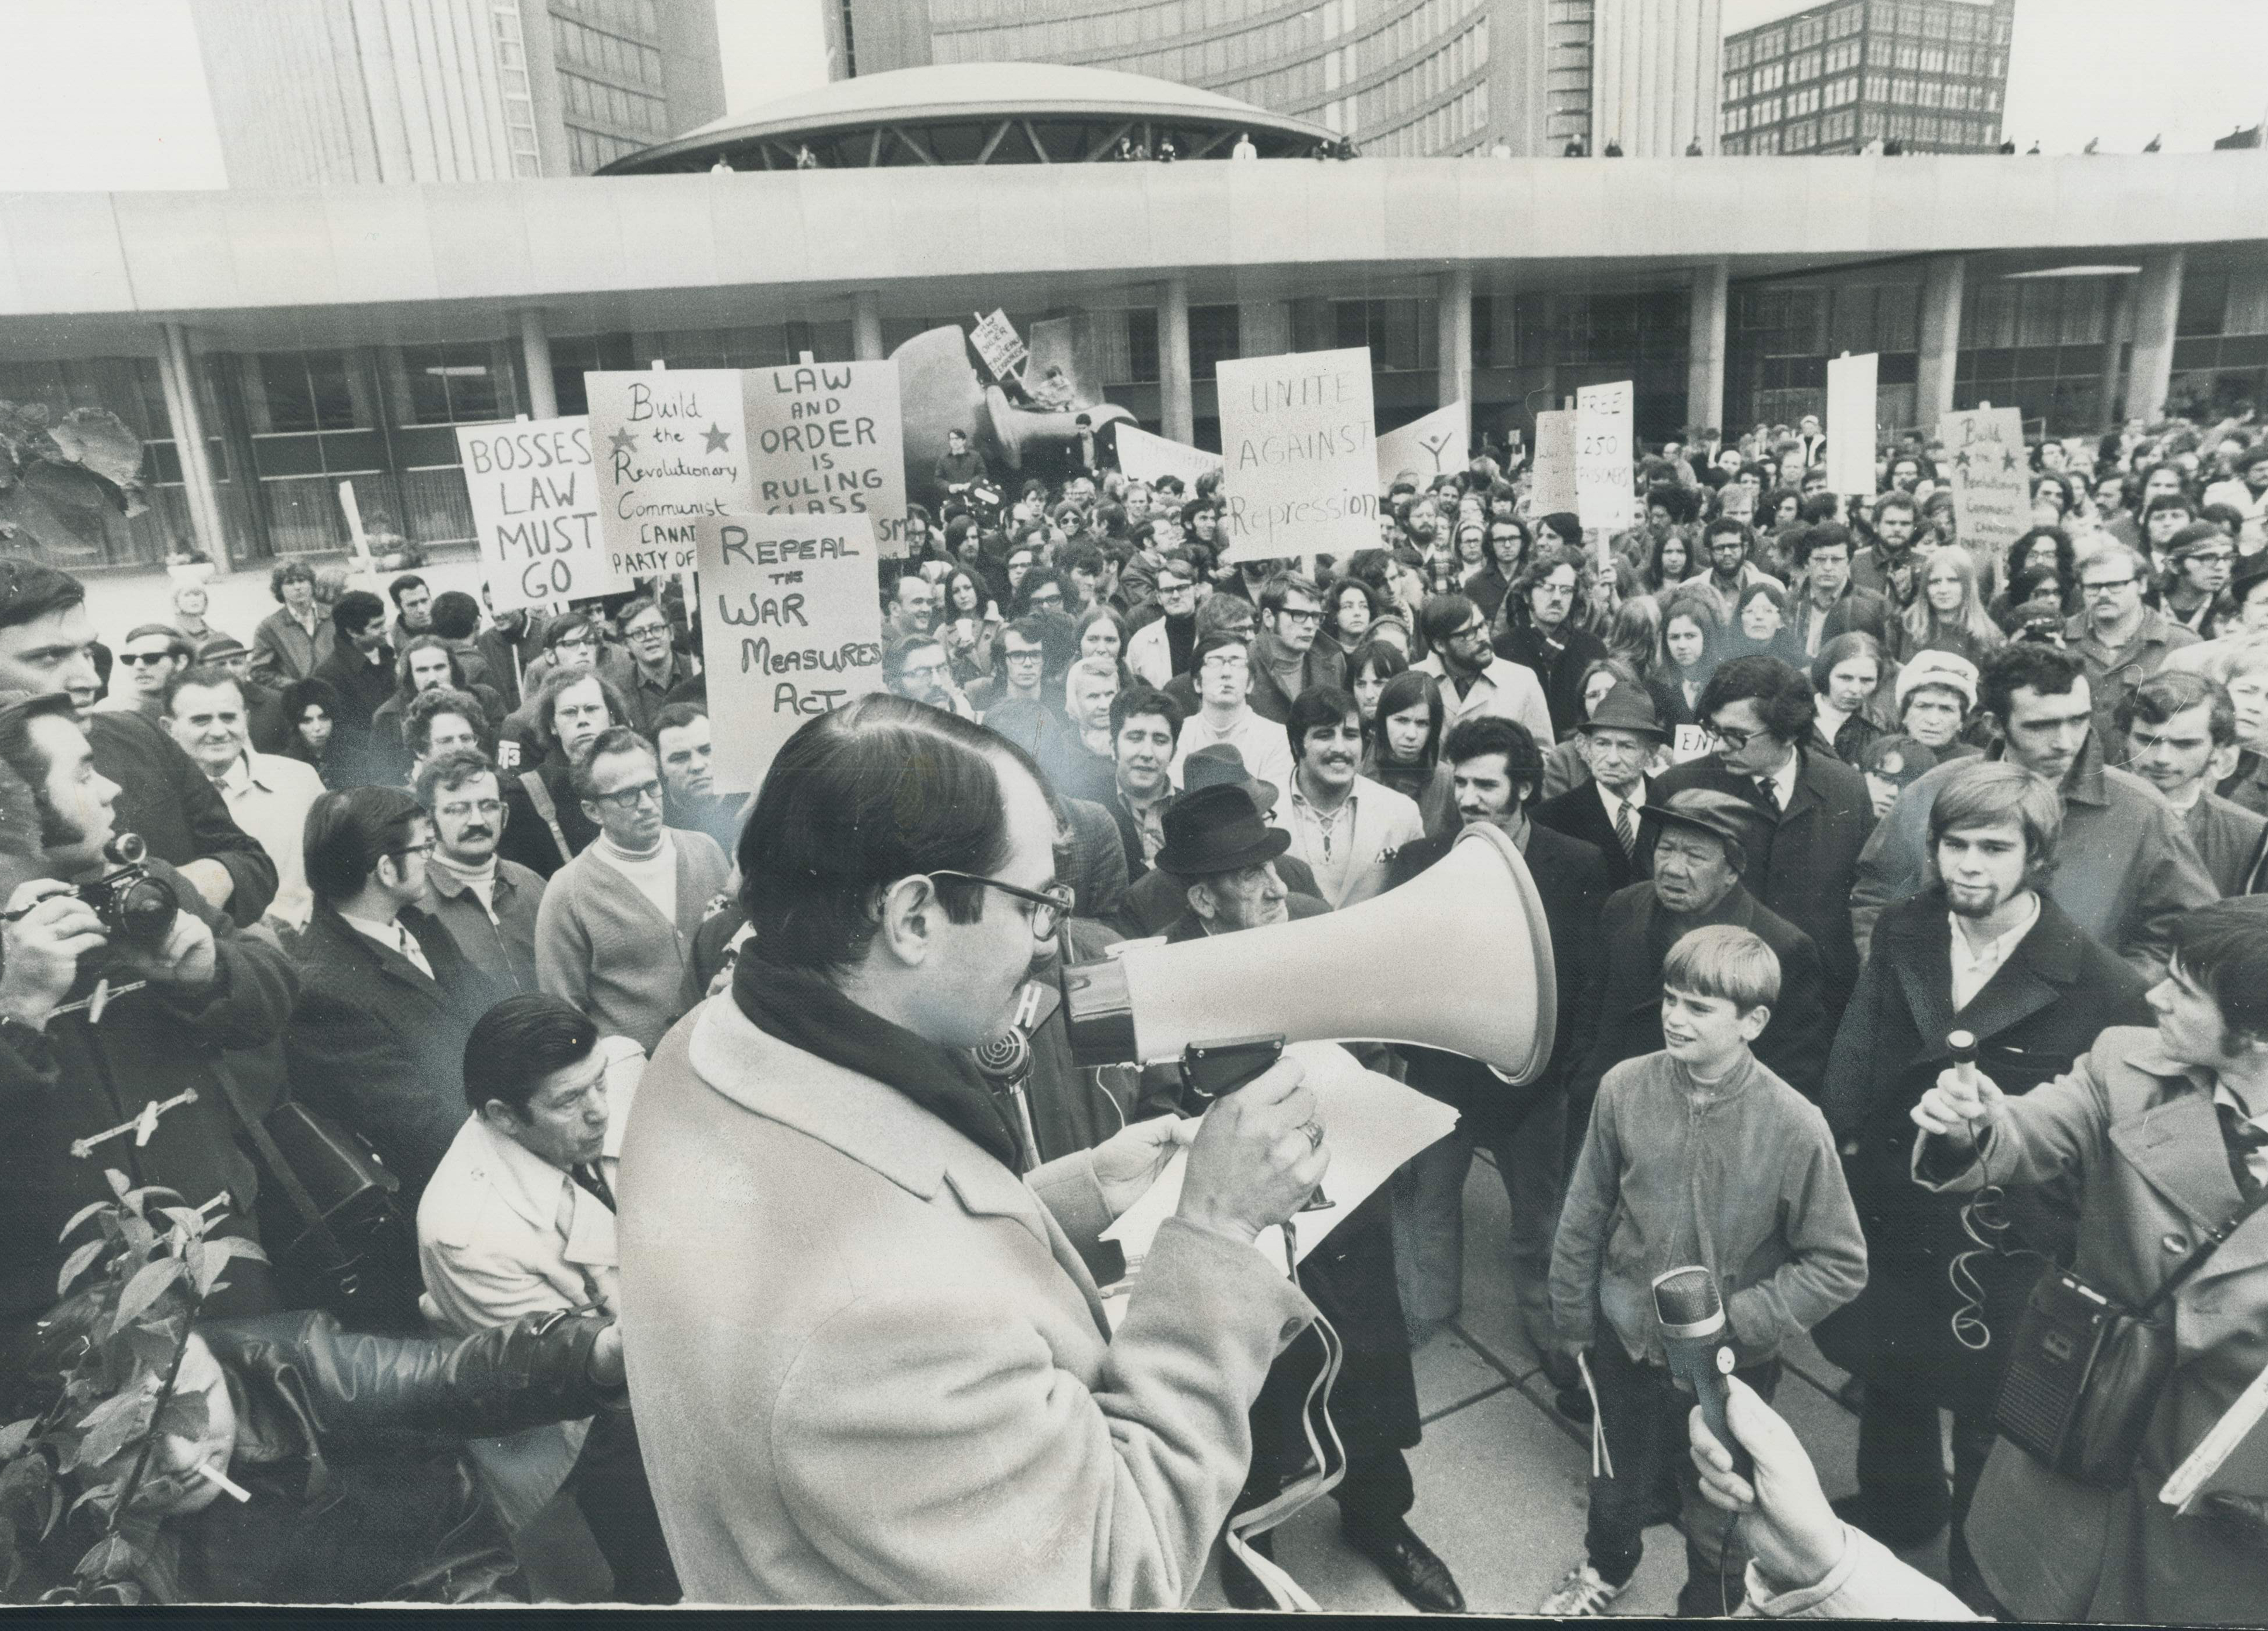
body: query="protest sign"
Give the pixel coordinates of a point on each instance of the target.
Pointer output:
(995, 342)
(1552, 490)
(793, 629)
(826, 438)
(535, 506)
(1144, 458)
(1424, 448)
(1691, 742)
(671, 445)
(1604, 477)
(1300, 455)
(1987, 468)
(1850, 427)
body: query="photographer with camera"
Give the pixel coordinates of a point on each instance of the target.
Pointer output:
(121, 993)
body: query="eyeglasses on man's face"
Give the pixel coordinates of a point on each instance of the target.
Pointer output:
(631, 797)
(1049, 907)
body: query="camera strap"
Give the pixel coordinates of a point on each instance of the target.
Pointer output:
(2216, 1239)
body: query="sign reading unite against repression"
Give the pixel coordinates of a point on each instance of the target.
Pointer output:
(1986, 465)
(793, 629)
(1299, 455)
(535, 505)
(672, 446)
(827, 439)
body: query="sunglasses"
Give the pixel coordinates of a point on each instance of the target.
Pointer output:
(135, 659)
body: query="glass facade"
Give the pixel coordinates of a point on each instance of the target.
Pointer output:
(1780, 334)
(1929, 73)
(610, 78)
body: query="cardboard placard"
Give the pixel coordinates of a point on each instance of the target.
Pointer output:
(1436, 444)
(1300, 455)
(1604, 417)
(671, 446)
(535, 505)
(995, 342)
(827, 439)
(1986, 466)
(1551, 488)
(792, 627)
(1144, 458)
(1690, 742)
(1850, 424)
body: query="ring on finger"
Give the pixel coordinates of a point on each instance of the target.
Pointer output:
(1313, 1129)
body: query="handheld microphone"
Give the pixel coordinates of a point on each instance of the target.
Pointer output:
(1692, 1319)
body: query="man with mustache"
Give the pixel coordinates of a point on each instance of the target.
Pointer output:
(486, 904)
(1344, 825)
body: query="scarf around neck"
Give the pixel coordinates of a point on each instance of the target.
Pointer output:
(805, 1011)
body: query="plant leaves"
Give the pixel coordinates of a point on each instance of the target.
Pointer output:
(156, 1565)
(15, 1436)
(77, 1263)
(108, 1559)
(186, 1416)
(120, 1184)
(113, 1433)
(80, 1216)
(139, 1199)
(150, 1281)
(141, 1240)
(212, 1257)
(187, 1219)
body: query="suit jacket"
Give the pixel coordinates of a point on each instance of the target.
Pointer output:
(282, 650)
(363, 688)
(1795, 1043)
(1855, 611)
(921, 1402)
(2037, 1016)
(1324, 665)
(1807, 869)
(376, 1044)
(1579, 814)
(2230, 840)
(2138, 1134)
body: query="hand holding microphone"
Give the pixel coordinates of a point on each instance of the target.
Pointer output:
(1963, 1099)
(1698, 1344)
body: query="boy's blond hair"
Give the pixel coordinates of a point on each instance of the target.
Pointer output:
(1724, 962)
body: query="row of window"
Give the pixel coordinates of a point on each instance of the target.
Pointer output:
(518, 99)
(1115, 32)
(611, 54)
(1384, 104)
(638, 20)
(1934, 93)
(1954, 20)
(628, 110)
(1408, 35)
(1461, 122)
(1297, 88)
(590, 151)
(1934, 61)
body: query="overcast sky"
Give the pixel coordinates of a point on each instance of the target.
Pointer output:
(115, 96)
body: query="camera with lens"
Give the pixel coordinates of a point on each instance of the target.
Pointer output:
(136, 905)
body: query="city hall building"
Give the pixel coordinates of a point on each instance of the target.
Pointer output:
(268, 344)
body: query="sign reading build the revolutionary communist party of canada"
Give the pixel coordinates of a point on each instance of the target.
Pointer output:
(1989, 470)
(793, 626)
(672, 446)
(1299, 455)
(535, 506)
(827, 439)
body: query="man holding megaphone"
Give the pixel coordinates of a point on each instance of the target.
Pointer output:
(875, 1361)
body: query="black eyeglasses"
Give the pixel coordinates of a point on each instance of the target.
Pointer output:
(630, 798)
(1049, 907)
(135, 659)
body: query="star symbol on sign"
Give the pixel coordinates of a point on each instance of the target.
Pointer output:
(717, 441)
(1961, 460)
(623, 442)
(2007, 461)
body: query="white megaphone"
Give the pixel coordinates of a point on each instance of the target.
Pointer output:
(1459, 958)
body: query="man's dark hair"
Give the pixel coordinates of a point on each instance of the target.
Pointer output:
(1479, 735)
(201, 674)
(403, 683)
(560, 627)
(22, 754)
(1896, 501)
(1083, 558)
(356, 611)
(1826, 536)
(1315, 708)
(676, 717)
(401, 586)
(2168, 691)
(1443, 616)
(2026, 665)
(446, 773)
(288, 572)
(1280, 584)
(560, 680)
(347, 833)
(1137, 700)
(614, 740)
(1207, 644)
(1734, 525)
(898, 651)
(1675, 499)
(455, 614)
(1782, 695)
(858, 799)
(522, 1039)
(29, 591)
(427, 706)
(2222, 949)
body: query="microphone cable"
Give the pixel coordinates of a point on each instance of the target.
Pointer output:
(1984, 1222)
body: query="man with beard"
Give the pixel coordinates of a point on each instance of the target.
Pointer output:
(1980, 950)
(1889, 567)
(1475, 681)
(918, 668)
(1725, 546)
(486, 904)
(684, 739)
(1345, 826)
(1541, 633)
(268, 794)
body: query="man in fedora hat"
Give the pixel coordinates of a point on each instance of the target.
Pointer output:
(1703, 842)
(1223, 856)
(1157, 900)
(1619, 739)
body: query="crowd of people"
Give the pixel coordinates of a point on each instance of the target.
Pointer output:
(1807, 783)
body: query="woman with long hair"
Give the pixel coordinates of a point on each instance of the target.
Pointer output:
(1692, 644)
(1635, 636)
(2043, 548)
(1670, 564)
(1350, 606)
(1949, 614)
(1762, 628)
(1847, 678)
(310, 713)
(1783, 506)
(1101, 633)
(970, 622)
(1369, 666)
(1406, 748)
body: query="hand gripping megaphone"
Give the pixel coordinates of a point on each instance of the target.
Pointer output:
(1459, 958)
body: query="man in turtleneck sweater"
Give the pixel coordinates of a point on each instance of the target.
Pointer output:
(488, 905)
(614, 933)
(1288, 658)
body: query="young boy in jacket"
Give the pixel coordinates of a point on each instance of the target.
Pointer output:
(1696, 1154)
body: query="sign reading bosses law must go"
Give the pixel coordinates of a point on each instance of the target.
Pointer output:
(535, 505)
(1299, 455)
(793, 629)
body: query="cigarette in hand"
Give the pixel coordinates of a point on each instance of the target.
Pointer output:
(210, 1470)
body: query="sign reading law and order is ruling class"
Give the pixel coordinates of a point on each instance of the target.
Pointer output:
(792, 628)
(1299, 455)
(1989, 471)
(535, 505)
(671, 446)
(827, 439)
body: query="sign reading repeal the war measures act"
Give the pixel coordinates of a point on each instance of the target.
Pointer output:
(1144, 458)
(1986, 465)
(826, 438)
(1426, 447)
(1603, 474)
(1552, 490)
(1299, 455)
(535, 504)
(672, 446)
(794, 629)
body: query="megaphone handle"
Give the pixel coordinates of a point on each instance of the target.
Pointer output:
(1211, 1070)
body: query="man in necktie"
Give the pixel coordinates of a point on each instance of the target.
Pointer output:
(1620, 739)
(519, 1219)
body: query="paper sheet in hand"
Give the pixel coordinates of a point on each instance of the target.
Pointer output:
(1371, 1124)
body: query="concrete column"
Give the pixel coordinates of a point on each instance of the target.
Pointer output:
(535, 358)
(1454, 333)
(1263, 327)
(177, 378)
(1705, 352)
(2157, 305)
(1943, 284)
(866, 327)
(1176, 405)
(2118, 328)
